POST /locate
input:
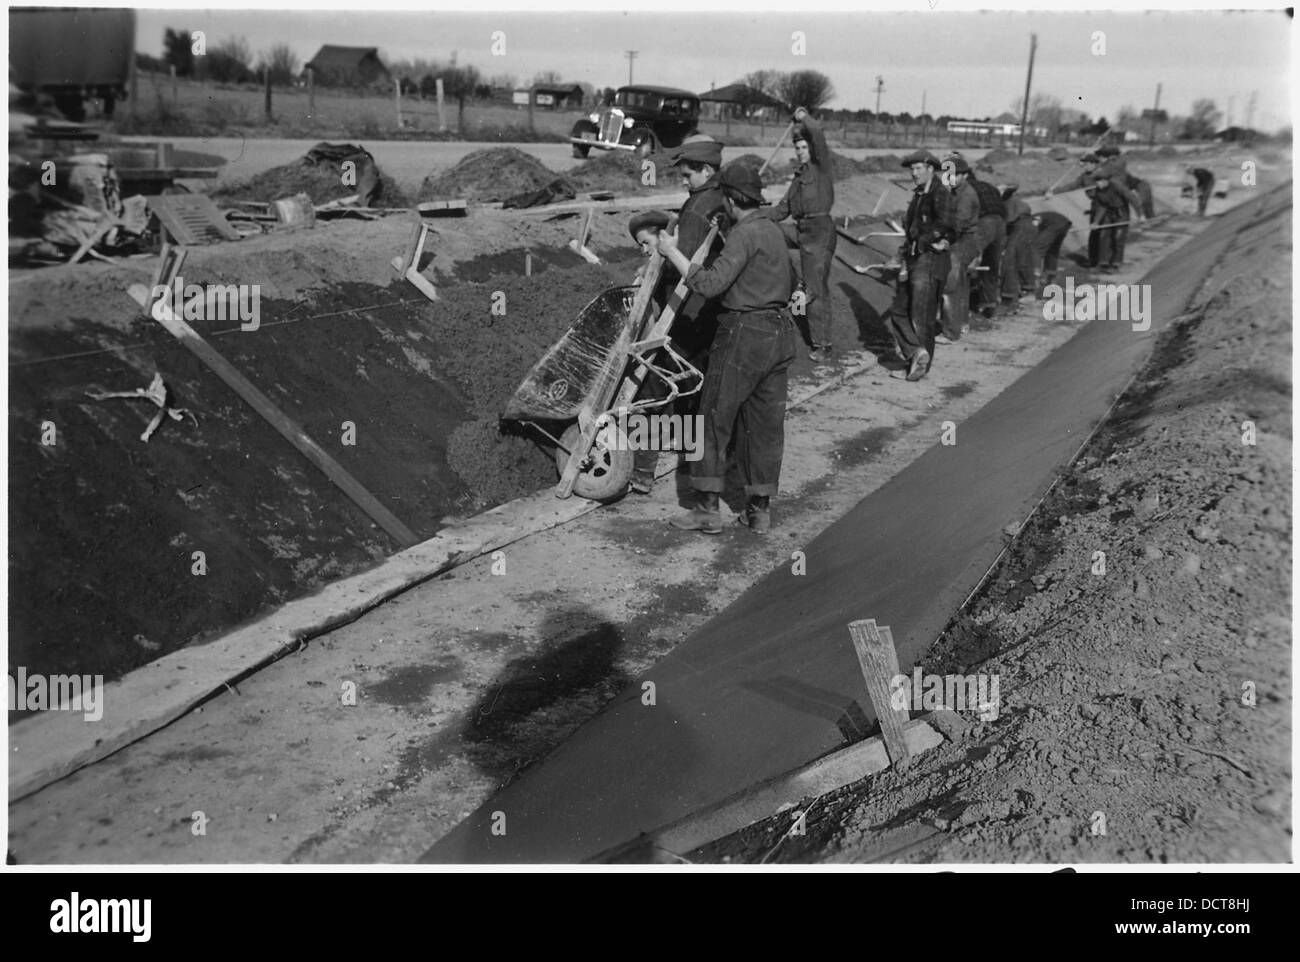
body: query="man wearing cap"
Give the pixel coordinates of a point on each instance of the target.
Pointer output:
(1018, 259)
(699, 158)
(1108, 207)
(955, 312)
(745, 386)
(929, 231)
(809, 200)
(1204, 180)
(990, 238)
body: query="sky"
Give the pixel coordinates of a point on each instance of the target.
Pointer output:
(969, 64)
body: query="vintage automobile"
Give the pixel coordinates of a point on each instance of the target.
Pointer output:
(641, 119)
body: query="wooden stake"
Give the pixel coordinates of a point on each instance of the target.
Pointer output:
(879, 662)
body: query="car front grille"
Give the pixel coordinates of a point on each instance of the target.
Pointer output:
(611, 126)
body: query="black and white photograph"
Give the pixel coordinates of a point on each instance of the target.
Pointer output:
(661, 439)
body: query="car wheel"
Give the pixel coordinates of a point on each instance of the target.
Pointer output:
(645, 143)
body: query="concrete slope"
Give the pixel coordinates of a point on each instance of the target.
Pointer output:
(772, 682)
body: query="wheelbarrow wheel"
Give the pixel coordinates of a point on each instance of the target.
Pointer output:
(608, 468)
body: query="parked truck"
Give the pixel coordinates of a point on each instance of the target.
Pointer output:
(72, 54)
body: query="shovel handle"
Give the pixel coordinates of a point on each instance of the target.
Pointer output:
(772, 156)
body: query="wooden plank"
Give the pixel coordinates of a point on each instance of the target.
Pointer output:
(782, 793)
(50, 745)
(879, 662)
(287, 428)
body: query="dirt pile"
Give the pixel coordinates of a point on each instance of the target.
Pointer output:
(616, 170)
(322, 178)
(492, 174)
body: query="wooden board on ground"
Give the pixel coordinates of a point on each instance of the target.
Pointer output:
(50, 745)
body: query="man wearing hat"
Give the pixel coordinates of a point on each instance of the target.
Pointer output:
(990, 238)
(699, 158)
(929, 230)
(1108, 207)
(1018, 259)
(955, 313)
(745, 386)
(1114, 168)
(1204, 187)
(809, 200)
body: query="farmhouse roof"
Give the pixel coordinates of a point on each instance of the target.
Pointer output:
(331, 57)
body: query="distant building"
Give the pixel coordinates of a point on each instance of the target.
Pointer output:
(348, 67)
(741, 100)
(561, 97)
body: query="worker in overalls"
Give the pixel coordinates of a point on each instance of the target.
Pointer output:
(809, 200)
(744, 395)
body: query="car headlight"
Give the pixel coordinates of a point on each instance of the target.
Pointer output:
(627, 122)
(594, 118)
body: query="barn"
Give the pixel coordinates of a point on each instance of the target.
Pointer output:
(348, 67)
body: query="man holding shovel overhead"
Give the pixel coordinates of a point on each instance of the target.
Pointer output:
(809, 200)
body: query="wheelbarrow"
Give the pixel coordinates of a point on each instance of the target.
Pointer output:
(591, 378)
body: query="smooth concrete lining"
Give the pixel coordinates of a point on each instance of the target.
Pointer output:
(772, 681)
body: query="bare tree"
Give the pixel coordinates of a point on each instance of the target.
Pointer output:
(806, 88)
(763, 89)
(1204, 120)
(282, 63)
(547, 78)
(230, 61)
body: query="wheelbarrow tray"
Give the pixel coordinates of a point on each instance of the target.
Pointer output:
(580, 361)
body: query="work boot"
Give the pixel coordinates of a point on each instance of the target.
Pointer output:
(706, 516)
(820, 354)
(643, 482)
(920, 365)
(757, 516)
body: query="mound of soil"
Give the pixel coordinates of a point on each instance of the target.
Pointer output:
(614, 170)
(846, 167)
(322, 182)
(486, 175)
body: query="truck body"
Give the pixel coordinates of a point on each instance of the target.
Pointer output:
(72, 54)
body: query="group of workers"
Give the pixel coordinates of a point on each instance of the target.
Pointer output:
(737, 320)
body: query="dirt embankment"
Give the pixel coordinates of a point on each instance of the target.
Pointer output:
(103, 527)
(1145, 695)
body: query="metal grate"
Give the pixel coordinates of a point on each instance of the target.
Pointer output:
(611, 126)
(191, 219)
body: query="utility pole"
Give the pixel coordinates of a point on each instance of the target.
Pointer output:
(631, 55)
(1155, 115)
(880, 89)
(1029, 79)
(923, 93)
